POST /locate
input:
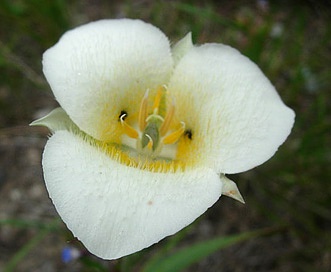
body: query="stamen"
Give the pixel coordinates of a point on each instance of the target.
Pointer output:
(143, 111)
(150, 142)
(167, 120)
(173, 137)
(130, 131)
(157, 99)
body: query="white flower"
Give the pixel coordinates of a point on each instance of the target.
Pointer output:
(146, 133)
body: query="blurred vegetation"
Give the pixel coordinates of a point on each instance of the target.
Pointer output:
(290, 41)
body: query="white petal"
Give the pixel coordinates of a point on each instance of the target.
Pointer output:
(237, 119)
(56, 120)
(101, 68)
(182, 47)
(116, 210)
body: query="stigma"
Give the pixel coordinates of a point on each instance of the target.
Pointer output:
(155, 128)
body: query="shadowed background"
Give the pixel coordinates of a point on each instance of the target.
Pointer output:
(290, 194)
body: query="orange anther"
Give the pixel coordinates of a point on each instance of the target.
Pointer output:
(143, 111)
(130, 131)
(173, 137)
(168, 118)
(150, 143)
(157, 99)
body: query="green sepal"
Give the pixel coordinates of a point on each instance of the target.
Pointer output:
(230, 189)
(182, 47)
(57, 120)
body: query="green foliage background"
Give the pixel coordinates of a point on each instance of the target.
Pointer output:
(291, 194)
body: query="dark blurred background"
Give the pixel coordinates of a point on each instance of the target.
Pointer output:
(289, 40)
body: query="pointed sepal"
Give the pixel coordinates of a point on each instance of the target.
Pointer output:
(230, 189)
(56, 120)
(181, 48)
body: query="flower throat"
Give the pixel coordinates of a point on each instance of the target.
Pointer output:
(154, 125)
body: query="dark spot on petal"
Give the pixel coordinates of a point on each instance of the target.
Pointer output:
(188, 134)
(150, 203)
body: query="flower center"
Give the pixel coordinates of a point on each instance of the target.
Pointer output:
(153, 132)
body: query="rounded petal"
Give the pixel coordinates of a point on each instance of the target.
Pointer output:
(102, 68)
(116, 210)
(236, 118)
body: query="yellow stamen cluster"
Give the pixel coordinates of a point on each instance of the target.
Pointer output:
(154, 124)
